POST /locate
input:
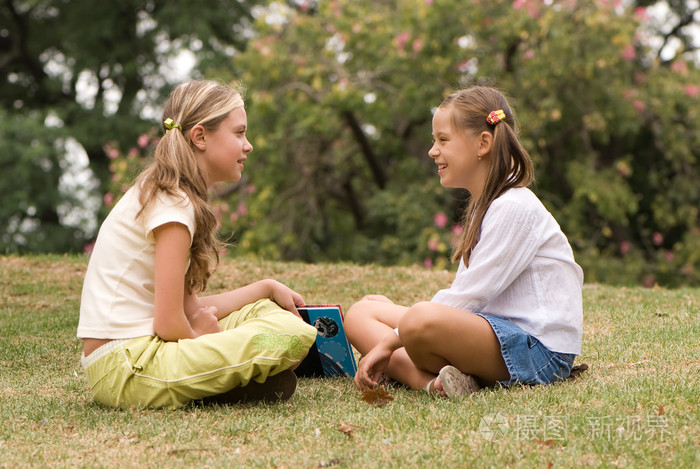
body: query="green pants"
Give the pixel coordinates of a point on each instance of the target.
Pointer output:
(255, 342)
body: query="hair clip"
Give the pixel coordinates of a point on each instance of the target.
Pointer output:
(495, 117)
(170, 125)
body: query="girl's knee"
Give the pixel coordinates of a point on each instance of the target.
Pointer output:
(356, 316)
(416, 322)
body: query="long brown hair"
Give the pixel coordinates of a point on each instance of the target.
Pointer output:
(175, 170)
(510, 164)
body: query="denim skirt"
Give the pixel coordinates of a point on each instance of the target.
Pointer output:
(528, 361)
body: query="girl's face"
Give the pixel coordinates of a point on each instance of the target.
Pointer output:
(226, 149)
(456, 154)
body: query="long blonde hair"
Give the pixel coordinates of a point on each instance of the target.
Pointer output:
(175, 170)
(510, 163)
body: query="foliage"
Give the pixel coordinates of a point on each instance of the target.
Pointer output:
(34, 168)
(340, 100)
(99, 71)
(340, 105)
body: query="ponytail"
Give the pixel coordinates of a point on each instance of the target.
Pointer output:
(175, 171)
(478, 109)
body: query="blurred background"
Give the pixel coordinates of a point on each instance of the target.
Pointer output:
(340, 96)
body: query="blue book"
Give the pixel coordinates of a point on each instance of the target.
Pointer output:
(331, 355)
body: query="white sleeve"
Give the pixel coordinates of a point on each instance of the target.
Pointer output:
(168, 209)
(507, 244)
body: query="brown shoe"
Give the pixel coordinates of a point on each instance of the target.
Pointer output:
(276, 388)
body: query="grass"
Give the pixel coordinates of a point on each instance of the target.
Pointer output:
(637, 405)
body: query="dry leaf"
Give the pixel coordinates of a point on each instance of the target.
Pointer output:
(377, 396)
(577, 370)
(347, 428)
(660, 410)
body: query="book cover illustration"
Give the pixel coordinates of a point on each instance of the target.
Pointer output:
(331, 355)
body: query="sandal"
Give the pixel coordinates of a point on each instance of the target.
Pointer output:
(430, 383)
(276, 388)
(455, 383)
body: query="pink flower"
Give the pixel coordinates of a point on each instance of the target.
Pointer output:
(112, 153)
(628, 53)
(624, 247)
(428, 2)
(242, 209)
(669, 255)
(142, 141)
(679, 66)
(641, 13)
(433, 244)
(457, 229)
(692, 90)
(428, 263)
(401, 41)
(657, 238)
(532, 7)
(133, 152)
(638, 105)
(108, 199)
(89, 247)
(440, 220)
(417, 45)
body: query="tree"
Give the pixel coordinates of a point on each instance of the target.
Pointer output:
(95, 69)
(341, 99)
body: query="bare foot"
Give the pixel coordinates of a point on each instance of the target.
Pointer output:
(435, 387)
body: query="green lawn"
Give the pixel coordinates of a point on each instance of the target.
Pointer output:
(637, 405)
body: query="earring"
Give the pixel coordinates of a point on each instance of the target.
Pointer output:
(203, 147)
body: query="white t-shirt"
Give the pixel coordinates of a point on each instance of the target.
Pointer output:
(523, 269)
(118, 299)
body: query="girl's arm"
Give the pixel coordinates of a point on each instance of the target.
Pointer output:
(376, 361)
(170, 321)
(234, 300)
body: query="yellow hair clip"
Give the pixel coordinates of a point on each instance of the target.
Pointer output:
(495, 117)
(170, 125)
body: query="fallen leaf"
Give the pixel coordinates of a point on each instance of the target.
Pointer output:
(377, 396)
(549, 442)
(577, 371)
(660, 410)
(347, 428)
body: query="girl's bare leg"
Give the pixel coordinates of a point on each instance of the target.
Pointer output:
(436, 335)
(371, 319)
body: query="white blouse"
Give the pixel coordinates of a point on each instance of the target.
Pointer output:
(523, 269)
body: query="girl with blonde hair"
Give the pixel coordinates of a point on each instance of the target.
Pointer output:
(149, 338)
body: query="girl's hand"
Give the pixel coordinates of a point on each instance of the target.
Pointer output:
(372, 366)
(203, 321)
(285, 297)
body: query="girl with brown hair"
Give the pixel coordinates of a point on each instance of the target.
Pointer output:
(513, 313)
